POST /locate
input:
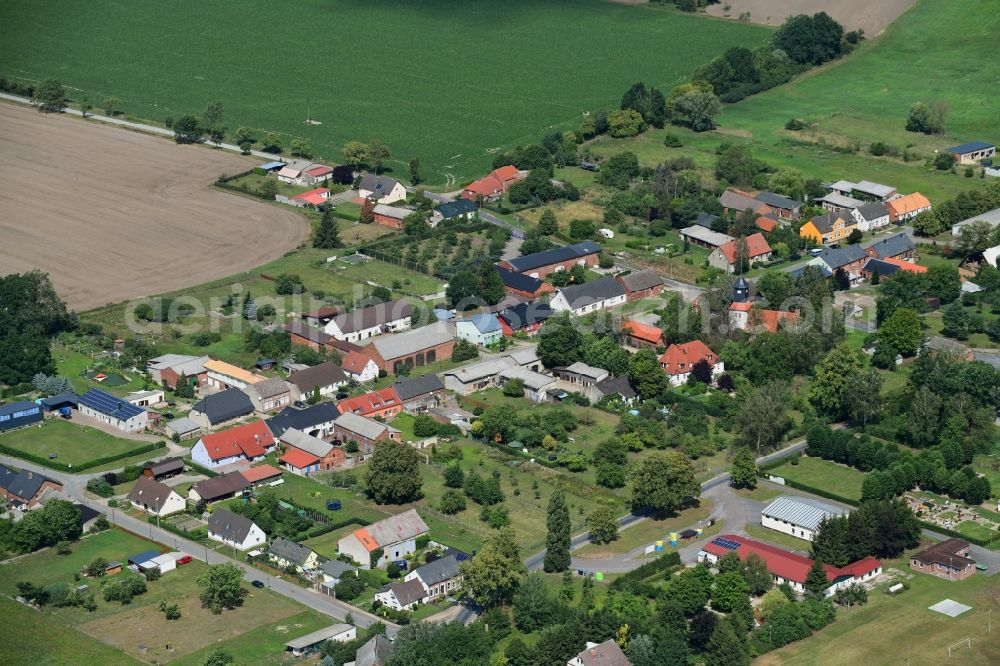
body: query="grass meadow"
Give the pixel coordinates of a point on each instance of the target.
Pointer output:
(74, 444)
(818, 473)
(450, 81)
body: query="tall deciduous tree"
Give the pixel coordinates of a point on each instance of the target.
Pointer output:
(557, 540)
(49, 96)
(901, 330)
(646, 375)
(222, 587)
(663, 481)
(744, 470)
(393, 476)
(602, 525)
(834, 373)
(762, 416)
(492, 576)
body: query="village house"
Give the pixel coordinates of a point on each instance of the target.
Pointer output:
(864, 190)
(145, 398)
(222, 375)
(220, 408)
(888, 267)
(679, 360)
(907, 207)
(383, 403)
(318, 339)
(413, 349)
(945, 559)
(779, 205)
(375, 652)
(19, 414)
(167, 369)
(366, 432)
(581, 299)
(746, 316)
(234, 530)
(582, 378)
(542, 264)
(401, 596)
(395, 536)
(847, 259)
(725, 256)
(787, 567)
(316, 420)
(641, 284)
(452, 210)
(303, 172)
(243, 443)
(218, 488)
(640, 335)
(316, 197)
(871, 216)
(371, 321)
(359, 367)
(797, 516)
(937, 344)
(703, 237)
(305, 454)
(269, 395)
(477, 376)
(326, 378)
(524, 318)
(524, 286)
(735, 202)
(320, 316)
(615, 387)
(113, 410)
(285, 553)
(154, 497)
(438, 578)
(418, 394)
(897, 246)
(829, 228)
(334, 571)
(381, 189)
(481, 330)
(492, 187)
(24, 489)
(390, 216)
(600, 654)
(973, 152)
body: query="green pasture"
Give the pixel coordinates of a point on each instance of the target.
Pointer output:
(825, 475)
(72, 443)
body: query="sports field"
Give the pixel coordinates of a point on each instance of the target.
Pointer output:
(453, 81)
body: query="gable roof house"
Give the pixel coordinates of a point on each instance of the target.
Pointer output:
(24, 489)
(328, 377)
(907, 207)
(897, 246)
(243, 443)
(492, 186)
(615, 387)
(168, 368)
(154, 497)
(519, 284)
(946, 559)
(366, 432)
(315, 197)
(581, 299)
(438, 577)
(724, 257)
(835, 202)
(220, 408)
(678, 360)
(402, 596)
(526, 318)
(390, 216)
(736, 201)
(450, 210)
(317, 338)
(418, 394)
(641, 284)
(285, 553)
(780, 205)
(381, 403)
(269, 395)
(234, 530)
(371, 321)
(305, 454)
(415, 348)
(375, 652)
(582, 378)
(704, 237)
(849, 259)
(114, 411)
(396, 536)
(535, 384)
(640, 335)
(381, 189)
(829, 228)
(480, 329)
(600, 654)
(541, 264)
(224, 375)
(360, 367)
(316, 420)
(871, 216)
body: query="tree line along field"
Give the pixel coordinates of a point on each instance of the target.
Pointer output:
(451, 82)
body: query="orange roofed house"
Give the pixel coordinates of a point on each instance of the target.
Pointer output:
(678, 361)
(724, 257)
(907, 207)
(244, 443)
(384, 403)
(396, 536)
(493, 186)
(745, 317)
(641, 335)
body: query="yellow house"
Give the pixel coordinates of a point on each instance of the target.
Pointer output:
(828, 228)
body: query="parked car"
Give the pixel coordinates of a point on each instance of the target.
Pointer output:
(184, 560)
(299, 404)
(402, 564)
(168, 415)
(259, 584)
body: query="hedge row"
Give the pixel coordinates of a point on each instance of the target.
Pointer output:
(952, 533)
(651, 568)
(203, 470)
(96, 462)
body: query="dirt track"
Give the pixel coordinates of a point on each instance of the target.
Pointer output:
(873, 17)
(113, 214)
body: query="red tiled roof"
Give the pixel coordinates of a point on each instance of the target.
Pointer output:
(355, 362)
(315, 197)
(905, 265)
(756, 246)
(741, 307)
(370, 403)
(678, 359)
(298, 458)
(771, 319)
(766, 224)
(248, 440)
(908, 204)
(319, 170)
(487, 186)
(259, 473)
(646, 332)
(786, 564)
(505, 173)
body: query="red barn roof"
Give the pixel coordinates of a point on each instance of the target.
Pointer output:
(637, 329)
(756, 246)
(298, 458)
(370, 403)
(248, 440)
(259, 473)
(506, 173)
(678, 359)
(319, 170)
(783, 563)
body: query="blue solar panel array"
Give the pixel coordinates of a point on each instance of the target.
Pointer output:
(111, 405)
(726, 543)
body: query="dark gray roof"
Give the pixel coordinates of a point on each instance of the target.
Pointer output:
(824, 223)
(224, 405)
(324, 374)
(514, 280)
(414, 387)
(302, 419)
(230, 526)
(289, 550)
(336, 568)
(616, 386)
(220, 486)
(797, 271)
(408, 592)
(381, 185)
(893, 246)
(319, 337)
(12, 407)
(839, 257)
(55, 401)
(872, 210)
(440, 570)
(883, 268)
(588, 293)
(706, 220)
(525, 314)
(640, 280)
(373, 316)
(778, 201)
(167, 466)
(21, 484)
(455, 208)
(970, 147)
(554, 256)
(375, 652)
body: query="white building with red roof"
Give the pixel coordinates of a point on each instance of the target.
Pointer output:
(679, 360)
(493, 186)
(786, 566)
(359, 367)
(724, 257)
(316, 197)
(243, 443)
(396, 536)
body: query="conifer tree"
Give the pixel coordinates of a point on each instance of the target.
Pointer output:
(557, 541)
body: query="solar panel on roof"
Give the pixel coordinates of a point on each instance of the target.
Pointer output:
(109, 404)
(726, 543)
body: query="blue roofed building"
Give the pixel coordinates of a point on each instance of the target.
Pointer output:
(114, 411)
(481, 329)
(972, 152)
(19, 414)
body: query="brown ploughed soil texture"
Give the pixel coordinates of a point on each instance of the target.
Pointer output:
(872, 16)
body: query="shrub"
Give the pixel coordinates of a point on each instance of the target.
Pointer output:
(795, 124)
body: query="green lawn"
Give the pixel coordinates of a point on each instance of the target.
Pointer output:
(72, 443)
(548, 76)
(825, 475)
(326, 545)
(73, 362)
(779, 538)
(647, 532)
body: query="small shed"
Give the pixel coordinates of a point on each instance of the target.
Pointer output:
(142, 557)
(265, 364)
(56, 402)
(310, 642)
(112, 568)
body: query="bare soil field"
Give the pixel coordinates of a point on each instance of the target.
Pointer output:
(113, 214)
(872, 17)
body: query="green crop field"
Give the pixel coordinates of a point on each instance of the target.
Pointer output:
(453, 82)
